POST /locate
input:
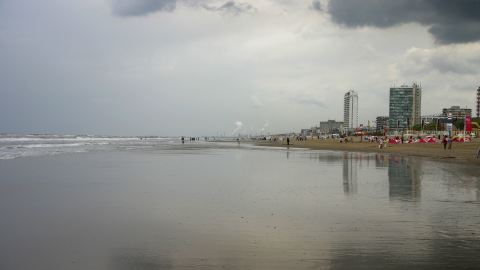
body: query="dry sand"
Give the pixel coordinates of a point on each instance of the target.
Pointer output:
(460, 152)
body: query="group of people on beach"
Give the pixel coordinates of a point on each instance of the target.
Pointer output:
(192, 139)
(382, 142)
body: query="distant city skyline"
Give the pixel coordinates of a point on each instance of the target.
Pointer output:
(208, 67)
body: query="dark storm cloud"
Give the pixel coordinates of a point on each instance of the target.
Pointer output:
(232, 7)
(456, 32)
(316, 5)
(449, 21)
(141, 7)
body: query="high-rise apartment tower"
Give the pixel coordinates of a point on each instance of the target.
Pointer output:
(350, 110)
(478, 102)
(405, 106)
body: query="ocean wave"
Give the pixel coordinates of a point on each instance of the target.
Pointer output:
(34, 153)
(45, 145)
(15, 146)
(53, 139)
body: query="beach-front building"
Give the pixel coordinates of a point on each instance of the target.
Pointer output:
(433, 119)
(350, 110)
(306, 132)
(381, 123)
(330, 126)
(405, 106)
(478, 101)
(456, 112)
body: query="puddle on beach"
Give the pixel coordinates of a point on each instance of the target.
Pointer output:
(237, 208)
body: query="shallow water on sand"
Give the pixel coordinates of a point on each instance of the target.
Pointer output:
(234, 207)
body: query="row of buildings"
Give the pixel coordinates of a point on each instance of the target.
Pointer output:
(405, 107)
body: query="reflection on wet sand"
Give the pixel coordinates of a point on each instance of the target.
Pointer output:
(350, 166)
(478, 190)
(139, 259)
(381, 160)
(403, 178)
(238, 209)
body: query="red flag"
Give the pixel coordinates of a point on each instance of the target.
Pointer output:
(468, 123)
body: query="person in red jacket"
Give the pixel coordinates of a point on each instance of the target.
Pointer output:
(444, 141)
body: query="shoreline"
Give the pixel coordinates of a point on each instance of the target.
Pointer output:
(460, 152)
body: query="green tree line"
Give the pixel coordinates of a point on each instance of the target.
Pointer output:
(458, 123)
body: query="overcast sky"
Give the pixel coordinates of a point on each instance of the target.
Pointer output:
(187, 67)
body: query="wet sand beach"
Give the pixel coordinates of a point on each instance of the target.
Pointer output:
(230, 206)
(460, 152)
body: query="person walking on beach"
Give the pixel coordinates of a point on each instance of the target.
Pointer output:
(288, 140)
(444, 142)
(183, 140)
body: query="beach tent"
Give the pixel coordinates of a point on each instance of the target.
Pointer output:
(461, 139)
(392, 141)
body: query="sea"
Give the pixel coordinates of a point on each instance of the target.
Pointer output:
(115, 202)
(16, 146)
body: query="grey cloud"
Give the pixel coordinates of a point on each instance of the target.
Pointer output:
(257, 103)
(310, 101)
(141, 7)
(449, 21)
(456, 32)
(458, 60)
(127, 8)
(232, 7)
(316, 5)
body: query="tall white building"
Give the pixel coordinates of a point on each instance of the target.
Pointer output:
(350, 110)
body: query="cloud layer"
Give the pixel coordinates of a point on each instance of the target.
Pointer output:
(448, 21)
(184, 70)
(127, 8)
(231, 7)
(141, 7)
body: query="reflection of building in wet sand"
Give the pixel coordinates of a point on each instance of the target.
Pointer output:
(403, 178)
(381, 161)
(350, 167)
(327, 158)
(478, 190)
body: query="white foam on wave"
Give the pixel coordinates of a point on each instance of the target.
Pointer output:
(31, 152)
(27, 139)
(15, 146)
(45, 145)
(22, 139)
